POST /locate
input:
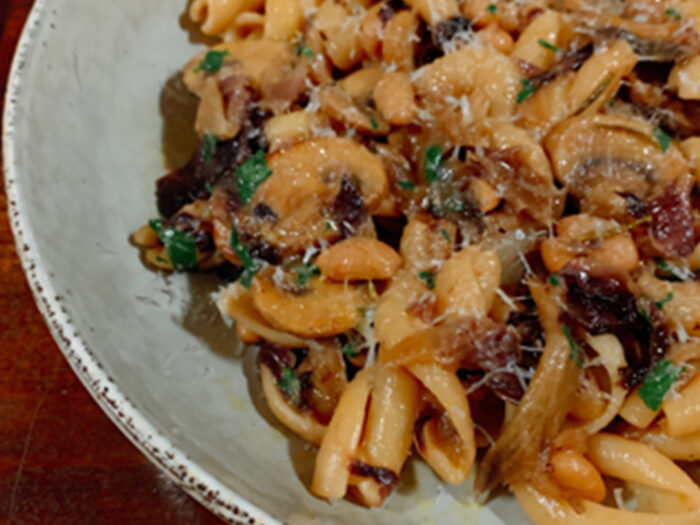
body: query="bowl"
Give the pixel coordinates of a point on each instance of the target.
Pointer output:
(89, 104)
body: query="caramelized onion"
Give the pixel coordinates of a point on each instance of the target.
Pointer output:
(465, 343)
(516, 455)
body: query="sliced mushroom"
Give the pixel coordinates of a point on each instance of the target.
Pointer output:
(598, 157)
(317, 189)
(319, 309)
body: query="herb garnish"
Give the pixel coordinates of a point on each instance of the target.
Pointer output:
(250, 175)
(428, 277)
(303, 50)
(406, 185)
(575, 353)
(554, 280)
(181, 247)
(305, 272)
(527, 91)
(445, 235)
(289, 383)
(433, 162)
(350, 350)
(212, 62)
(673, 13)
(662, 138)
(492, 8)
(209, 144)
(672, 270)
(644, 313)
(658, 382)
(660, 303)
(547, 45)
(373, 123)
(250, 267)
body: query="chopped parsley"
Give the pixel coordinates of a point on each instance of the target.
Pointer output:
(209, 144)
(671, 270)
(554, 280)
(575, 353)
(289, 383)
(492, 8)
(662, 138)
(350, 350)
(660, 304)
(445, 235)
(305, 272)
(527, 91)
(644, 313)
(664, 266)
(373, 123)
(428, 277)
(181, 247)
(250, 175)
(209, 187)
(551, 47)
(212, 62)
(303, 50)
(433, 162)
(328, 227)
(250, 267)
(658, 382)
(406, 185)
(674, 13)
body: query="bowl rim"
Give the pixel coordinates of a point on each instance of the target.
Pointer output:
(187, 474)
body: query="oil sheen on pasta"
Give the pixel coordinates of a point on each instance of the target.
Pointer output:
(460, 231)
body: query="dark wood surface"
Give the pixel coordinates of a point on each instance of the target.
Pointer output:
(61, 460)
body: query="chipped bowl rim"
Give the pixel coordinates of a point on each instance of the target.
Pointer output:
(186, 473)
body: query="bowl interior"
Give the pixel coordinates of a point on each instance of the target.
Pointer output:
(95, 93)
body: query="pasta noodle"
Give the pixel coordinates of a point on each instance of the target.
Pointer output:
(341, 440)
(465, 230)
(452, 463)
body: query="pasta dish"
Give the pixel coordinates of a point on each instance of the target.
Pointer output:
(462, 230)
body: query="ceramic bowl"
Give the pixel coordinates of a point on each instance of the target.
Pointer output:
(84, 126)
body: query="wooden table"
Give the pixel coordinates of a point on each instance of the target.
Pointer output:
(61, 460)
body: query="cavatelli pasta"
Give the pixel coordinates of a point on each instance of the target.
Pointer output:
(462, 230)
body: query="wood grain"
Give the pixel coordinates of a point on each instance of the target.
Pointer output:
(61, 460)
